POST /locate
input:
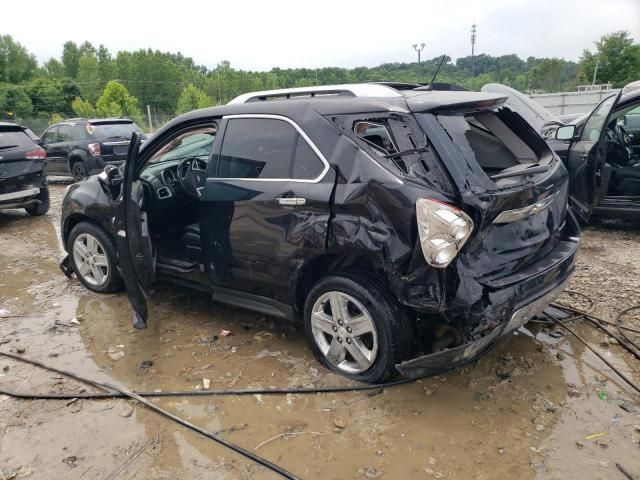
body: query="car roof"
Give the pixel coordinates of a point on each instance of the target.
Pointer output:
(11, 125)
(297, 108)
(93, 121)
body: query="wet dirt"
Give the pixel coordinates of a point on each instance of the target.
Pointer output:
(523, 411)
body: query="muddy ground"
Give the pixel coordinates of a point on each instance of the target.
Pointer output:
(529, 409)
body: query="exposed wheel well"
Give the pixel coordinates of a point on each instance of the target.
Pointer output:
(74, 220)
(329, 263)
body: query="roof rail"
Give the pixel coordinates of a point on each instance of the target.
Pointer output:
(346, 90)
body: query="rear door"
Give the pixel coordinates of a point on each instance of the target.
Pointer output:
(55, 156)
(136, 255)
(265, 206)
(589, 173)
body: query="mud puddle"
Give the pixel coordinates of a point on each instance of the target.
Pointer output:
(517, 413)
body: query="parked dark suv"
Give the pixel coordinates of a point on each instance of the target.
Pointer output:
(407, 230)
(78, 146)
(23, 183)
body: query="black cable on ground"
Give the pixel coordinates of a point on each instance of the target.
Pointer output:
(107, 386)
(607, 362)
(185, 393)
(600, 324)
(619, 325)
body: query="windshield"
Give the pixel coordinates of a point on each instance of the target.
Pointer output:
(107, 131)
(10, 139)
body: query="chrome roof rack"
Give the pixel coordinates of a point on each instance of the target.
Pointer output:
(346, 90)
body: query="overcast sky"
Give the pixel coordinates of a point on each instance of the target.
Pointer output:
(264, 34)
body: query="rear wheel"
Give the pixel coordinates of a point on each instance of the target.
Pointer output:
(42, 207)
(356, 328)
(93, 258)
(78, 171)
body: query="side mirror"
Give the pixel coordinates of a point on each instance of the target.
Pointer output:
(566, 132)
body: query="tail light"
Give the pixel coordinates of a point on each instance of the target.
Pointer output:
(443, 230)
(94, 149)
(37, 154)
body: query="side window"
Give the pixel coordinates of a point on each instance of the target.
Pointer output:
(595, 122)
(306, 163)
(196, 143)
(377, 135)
(257, 148)
(64, 133)
(50, 136)
(79, 133)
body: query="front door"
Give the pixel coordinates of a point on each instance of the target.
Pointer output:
(136, 256)
(586, 161)
(265, 206)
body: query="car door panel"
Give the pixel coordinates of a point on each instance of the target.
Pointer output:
(589, 173)
(135, 254)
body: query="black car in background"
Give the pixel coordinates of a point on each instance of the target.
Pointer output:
(407, 230)
(23, 183)
(79, 147)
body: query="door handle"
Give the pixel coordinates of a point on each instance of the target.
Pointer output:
(291, 201)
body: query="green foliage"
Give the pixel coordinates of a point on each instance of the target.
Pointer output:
(14, 101)
(81, 80)
(16, 63)
(83, 108)
(617, 57)
(192, 98)
(55, 118)
(116, 101)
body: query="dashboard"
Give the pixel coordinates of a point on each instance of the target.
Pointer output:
(163, 178)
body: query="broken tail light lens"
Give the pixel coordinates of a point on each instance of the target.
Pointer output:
(443, 230)
(37, 154)
(94, 149)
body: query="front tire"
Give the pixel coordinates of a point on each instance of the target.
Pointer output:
(41, 208)
(93, 258)
(367, 336)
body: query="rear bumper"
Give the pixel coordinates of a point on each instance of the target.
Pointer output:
(513, 301)
(21, 183)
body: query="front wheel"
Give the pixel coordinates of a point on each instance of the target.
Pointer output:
(92, 256)
(356, 328)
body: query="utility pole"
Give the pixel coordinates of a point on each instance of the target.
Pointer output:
(473, 50)
(595, 71)
(419, 50)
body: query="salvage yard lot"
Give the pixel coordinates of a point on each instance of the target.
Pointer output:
(523, 411)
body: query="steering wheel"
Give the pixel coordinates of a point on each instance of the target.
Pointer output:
(191, 175)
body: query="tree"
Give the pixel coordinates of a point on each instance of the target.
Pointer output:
(547, 75)
(192, 98)
(70, 59)
(47, 96)
(14, 101)
(83, 108)
(89, 78)
(116, 101)
(16, 63)
(617, 57)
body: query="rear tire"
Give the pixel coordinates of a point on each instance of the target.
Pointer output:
(93, 258)
(78, 171)
(42, 207)
(362, 296)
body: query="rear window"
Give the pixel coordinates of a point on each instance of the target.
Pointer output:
(10, 139)
(113, 131)
(487, 138)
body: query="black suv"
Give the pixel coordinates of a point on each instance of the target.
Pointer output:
(23, 183)
(407, 230)
(78, 146)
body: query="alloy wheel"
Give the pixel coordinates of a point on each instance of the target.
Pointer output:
(344, 332)
(90, 259)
